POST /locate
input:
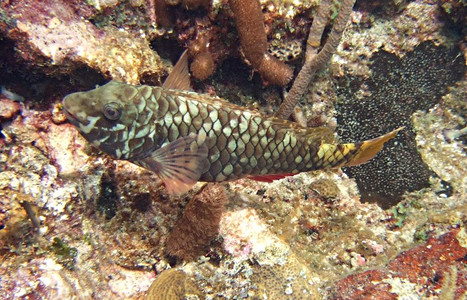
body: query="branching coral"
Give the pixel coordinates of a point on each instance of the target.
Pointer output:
(199, 224)
(250, 26)
(313, 61)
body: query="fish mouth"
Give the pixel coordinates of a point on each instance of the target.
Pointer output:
(71, 117)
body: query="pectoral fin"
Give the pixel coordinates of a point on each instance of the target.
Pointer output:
(179, 164)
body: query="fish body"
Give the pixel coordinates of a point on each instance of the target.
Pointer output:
(185, 137)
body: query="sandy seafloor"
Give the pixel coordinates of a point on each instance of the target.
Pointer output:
(100, 227)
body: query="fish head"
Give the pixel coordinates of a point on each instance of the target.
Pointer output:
(106, 116)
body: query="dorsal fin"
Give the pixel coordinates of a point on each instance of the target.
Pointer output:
(179, 78)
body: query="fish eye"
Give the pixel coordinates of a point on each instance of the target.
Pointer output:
(112, 111)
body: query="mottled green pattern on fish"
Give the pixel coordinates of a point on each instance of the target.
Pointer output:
(184, 137)
(240, 142)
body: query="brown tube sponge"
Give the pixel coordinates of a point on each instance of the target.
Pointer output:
(274, 70)
(250, 26)
(199, 224)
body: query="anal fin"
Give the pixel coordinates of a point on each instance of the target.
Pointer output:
(179, 164)
(271, 177)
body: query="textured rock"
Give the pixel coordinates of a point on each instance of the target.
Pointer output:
(173, 285)
(52, 34)
(442, 269)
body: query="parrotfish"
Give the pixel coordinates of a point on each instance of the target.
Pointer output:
(185, 137)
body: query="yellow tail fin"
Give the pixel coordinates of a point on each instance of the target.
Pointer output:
(368, 149)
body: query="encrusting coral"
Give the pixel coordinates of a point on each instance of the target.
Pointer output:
(173, 285)
(250, 26)
(199, 224)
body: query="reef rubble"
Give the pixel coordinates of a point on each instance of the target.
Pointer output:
(76, 224)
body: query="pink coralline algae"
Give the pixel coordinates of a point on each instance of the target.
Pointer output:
(244, 233)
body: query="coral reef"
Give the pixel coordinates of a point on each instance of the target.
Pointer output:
(66, 255)
(195, 4)
(44, 169)
(404, 276)
(164, 13)
(76, 224)
(283, 229)
(277, 272)
(8, 109)
(455, 9)
(315, 60)
(53, 36)
(165, 9)
(203, 64)
(285, 50)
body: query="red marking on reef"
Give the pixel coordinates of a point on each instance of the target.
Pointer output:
(424, 265)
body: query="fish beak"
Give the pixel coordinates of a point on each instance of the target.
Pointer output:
(67, 109)
(69, 115)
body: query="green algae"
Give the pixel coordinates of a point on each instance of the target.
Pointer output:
(66, 255)
(399, 213)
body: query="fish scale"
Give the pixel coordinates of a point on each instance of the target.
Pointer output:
(232, 152)
(185, 137)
